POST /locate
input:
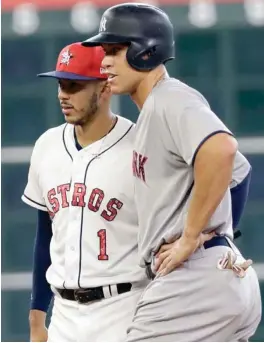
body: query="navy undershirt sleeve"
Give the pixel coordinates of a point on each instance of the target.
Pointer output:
(41, 293)
(239, 195)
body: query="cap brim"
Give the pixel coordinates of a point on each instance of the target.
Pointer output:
(105, 38)
(68, 76)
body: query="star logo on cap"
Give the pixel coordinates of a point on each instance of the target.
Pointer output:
(102, 24)
(65, 57)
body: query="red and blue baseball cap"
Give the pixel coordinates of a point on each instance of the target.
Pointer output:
(76, 62)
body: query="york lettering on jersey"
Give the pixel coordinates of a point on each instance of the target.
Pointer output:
(59, 198)
(138, 165)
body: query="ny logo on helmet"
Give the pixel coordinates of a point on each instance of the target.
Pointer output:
(102, 24)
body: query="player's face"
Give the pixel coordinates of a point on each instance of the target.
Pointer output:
(122, 78)
(78, 100)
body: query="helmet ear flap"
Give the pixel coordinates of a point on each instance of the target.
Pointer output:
(146, 56)
(140, 56)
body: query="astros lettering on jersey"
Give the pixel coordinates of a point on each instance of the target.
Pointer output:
(90, 201)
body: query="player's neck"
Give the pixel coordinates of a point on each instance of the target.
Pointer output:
(147, 84)
(96, 129)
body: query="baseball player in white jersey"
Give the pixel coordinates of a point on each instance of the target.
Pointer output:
(80, 175)
(182, 162)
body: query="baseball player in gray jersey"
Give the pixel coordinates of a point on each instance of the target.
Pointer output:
(182, 162)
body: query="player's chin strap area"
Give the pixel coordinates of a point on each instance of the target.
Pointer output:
(86, 295)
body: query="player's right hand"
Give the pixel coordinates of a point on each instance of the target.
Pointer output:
(39, 334)
(172, 255)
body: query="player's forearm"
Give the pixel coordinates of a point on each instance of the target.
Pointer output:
(37, 318)
(212, 175)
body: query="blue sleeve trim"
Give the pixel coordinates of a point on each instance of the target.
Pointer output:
(239, 196)
(205, 139)
(41, 293)
(37, 203)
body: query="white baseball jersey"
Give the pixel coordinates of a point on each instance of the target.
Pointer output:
(89, 195)
(174, 122)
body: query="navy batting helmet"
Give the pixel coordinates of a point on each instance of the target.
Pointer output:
(145, 28)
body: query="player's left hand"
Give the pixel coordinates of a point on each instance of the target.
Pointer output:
(172, 255)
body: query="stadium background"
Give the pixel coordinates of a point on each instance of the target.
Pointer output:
(220, 51)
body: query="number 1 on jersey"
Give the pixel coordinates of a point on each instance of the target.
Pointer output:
(102, 245)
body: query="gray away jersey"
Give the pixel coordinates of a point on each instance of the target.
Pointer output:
(175, 120)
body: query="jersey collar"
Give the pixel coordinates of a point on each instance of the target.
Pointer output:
(118, 131)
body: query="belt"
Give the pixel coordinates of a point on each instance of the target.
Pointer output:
(214, 242)
(217, 241)
(85, 295)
